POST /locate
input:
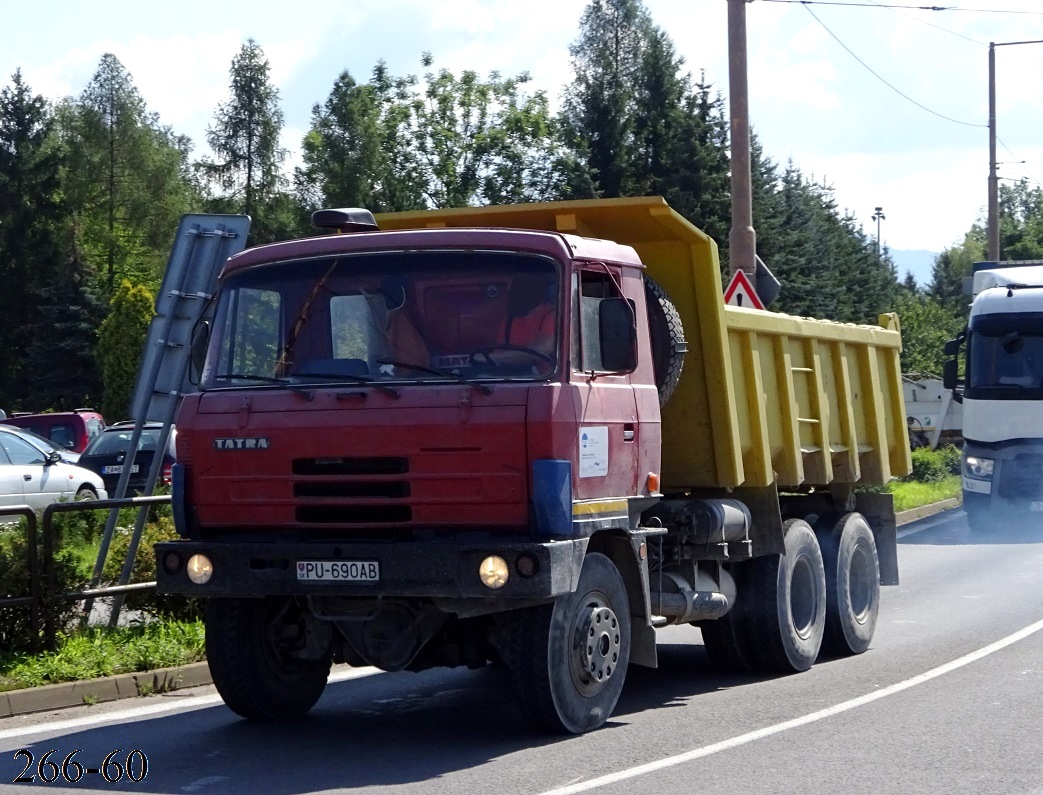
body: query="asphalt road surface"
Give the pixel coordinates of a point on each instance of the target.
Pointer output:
(949, 699)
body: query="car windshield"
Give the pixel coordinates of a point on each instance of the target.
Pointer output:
(111, 442)
(43, 441)
(387, 317)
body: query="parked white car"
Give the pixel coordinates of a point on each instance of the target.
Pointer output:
(33, 476)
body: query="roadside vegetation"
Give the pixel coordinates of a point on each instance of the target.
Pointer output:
(935, 477)
(166, 631)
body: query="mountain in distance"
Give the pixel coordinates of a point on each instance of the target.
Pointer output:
(918, 262)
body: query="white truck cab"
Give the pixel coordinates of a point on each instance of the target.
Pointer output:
(1002, 395)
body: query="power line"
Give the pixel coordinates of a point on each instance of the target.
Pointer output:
(929, 24)
(805, 3)
(911, 8)
(1015, 156)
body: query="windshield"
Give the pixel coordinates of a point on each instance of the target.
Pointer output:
(387, 317)
(1005, 356)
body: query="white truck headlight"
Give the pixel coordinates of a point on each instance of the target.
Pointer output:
(977, 468)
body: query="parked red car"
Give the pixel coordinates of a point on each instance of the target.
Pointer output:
(69, 429)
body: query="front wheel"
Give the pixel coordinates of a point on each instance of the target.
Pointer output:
(259, 657)
(569, 659)
(85, 494)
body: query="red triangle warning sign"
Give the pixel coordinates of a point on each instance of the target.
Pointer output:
(740, 292)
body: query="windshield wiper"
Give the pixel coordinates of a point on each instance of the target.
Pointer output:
(485, 389)
(267, 379)
(355, 379)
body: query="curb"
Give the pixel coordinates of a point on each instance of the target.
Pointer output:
(165, 680)
(905, 517)
(95, 691)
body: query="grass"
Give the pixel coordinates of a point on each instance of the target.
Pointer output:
(913, 494)
(97, 652)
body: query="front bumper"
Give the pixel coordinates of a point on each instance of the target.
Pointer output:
(407, 570)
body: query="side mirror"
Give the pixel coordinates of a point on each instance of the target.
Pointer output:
(952, 347)
(617, 334)
(950, 379)
(197, 351)
(52, 457)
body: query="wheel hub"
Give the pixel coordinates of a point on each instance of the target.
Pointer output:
(598, 639)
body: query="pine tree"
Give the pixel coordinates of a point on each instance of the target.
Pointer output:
(246, 167)
(32, 219)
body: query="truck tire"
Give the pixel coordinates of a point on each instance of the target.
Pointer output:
(726, 639)
(666, 338)
(568, 659)
(978, 522)
(852, 584)
(249, 661)
(726, 644)
(787, 607)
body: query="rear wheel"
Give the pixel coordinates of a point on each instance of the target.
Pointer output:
(852, 585)
(726, 639)
(787, 607)
(569, 659)
(256, 651)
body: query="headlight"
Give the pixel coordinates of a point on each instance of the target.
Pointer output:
(493, 572)
(977, 468)
(199, 569)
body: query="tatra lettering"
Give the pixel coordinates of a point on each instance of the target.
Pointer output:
(242, 443)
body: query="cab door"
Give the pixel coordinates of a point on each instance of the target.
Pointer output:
(607, 440)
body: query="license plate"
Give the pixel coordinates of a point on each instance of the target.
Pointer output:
(1037, 506)
(339, 570)
(117, 469)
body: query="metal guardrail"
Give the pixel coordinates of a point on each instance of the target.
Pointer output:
(43, 591)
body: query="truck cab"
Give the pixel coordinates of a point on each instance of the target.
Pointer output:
(1002, 396)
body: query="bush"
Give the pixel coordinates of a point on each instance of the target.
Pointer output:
(929, 466)
(161, 528)
(951, 458)
(15, 635)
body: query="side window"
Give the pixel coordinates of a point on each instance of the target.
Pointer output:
(251, 346)
(594, 287)
(20, 451)
(63, 435)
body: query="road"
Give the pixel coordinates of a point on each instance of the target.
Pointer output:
(949, 699)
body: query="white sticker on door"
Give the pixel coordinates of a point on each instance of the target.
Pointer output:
(593, 452)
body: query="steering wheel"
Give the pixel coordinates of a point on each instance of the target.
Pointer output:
(484, 353)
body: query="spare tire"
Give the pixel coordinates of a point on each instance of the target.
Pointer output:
(666, 337)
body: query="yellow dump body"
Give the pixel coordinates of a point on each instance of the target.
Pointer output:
(763, 397)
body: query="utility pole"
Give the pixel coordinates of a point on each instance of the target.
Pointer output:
(878, 216)
(742, 240)
(994, 180)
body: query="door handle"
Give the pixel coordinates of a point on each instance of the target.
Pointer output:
(27, 477)
(628, 432)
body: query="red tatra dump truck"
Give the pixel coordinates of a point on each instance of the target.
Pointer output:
(492, 434)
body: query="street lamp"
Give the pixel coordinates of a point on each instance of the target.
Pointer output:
(994, 190)
(878, 216)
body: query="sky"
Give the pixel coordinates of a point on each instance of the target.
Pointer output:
(888, 105)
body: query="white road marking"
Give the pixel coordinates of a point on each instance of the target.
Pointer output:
(121, 716)
(917, 527)
(735, 742)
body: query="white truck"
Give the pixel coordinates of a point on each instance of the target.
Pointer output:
(1002, 395)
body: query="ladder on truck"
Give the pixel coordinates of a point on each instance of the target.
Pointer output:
(202, 245)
